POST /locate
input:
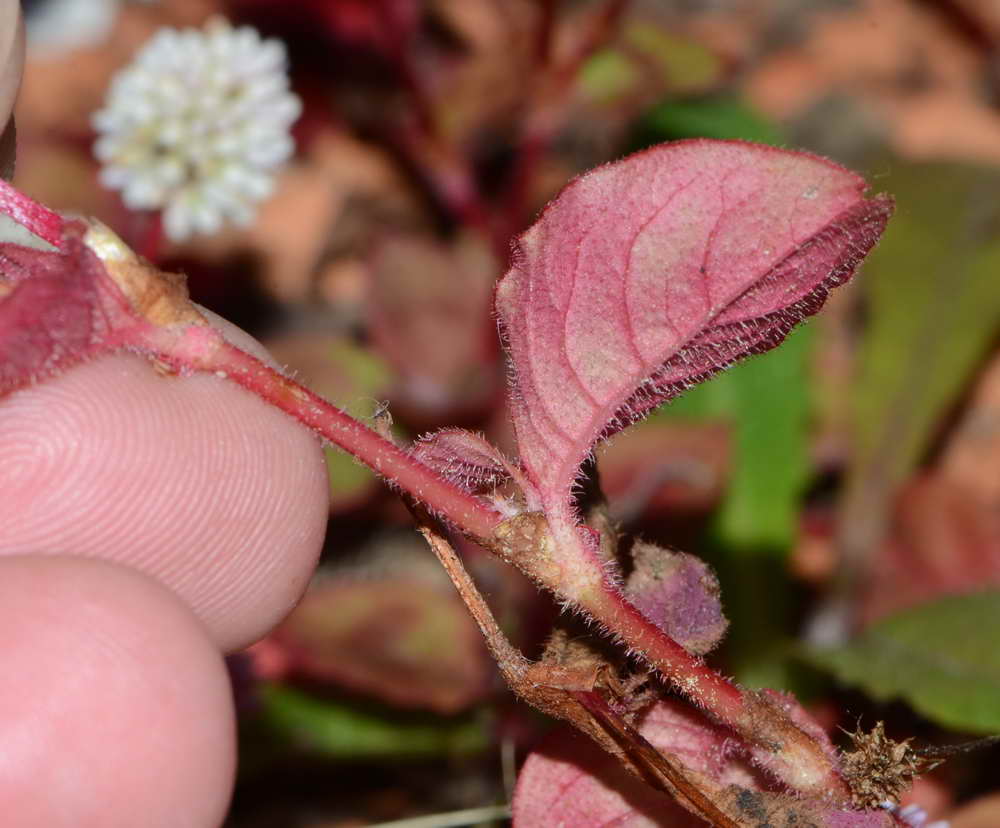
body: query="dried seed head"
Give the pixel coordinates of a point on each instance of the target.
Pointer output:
(196, 126)
(879, 769)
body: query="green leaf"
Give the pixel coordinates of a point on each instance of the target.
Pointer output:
(645, 55)
(766, 399)
(349, 731)
(933, 310)
(607, 76)
(942, 658)
(717, 116)
(684, 63)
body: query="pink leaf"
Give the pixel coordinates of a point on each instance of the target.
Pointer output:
(409, 643)
(570, 781)
(678, 593)
(61, 307)
(464, 458)
(646, 276)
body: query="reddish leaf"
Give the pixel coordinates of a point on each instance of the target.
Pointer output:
(646, 276)
(570, 781)
(465, 458)
(407, 642)
(60, 308)
(678, 593)
(944, 541)
(428, 315)
(944, 537)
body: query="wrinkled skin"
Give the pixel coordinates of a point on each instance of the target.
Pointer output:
(148, 524)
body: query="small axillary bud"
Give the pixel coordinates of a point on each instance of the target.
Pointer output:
(523, 536)
(160, 298)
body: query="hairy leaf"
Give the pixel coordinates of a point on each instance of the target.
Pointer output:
(465, 458)
(940, 657)
(679, 593)
(646, 276)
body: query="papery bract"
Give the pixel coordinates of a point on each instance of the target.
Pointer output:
(648, 275)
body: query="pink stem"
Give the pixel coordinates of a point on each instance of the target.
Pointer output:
(43, 222)
(202, 349)
(795, 757)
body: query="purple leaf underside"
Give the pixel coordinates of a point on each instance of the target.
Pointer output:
(646, 276)
(679, 593)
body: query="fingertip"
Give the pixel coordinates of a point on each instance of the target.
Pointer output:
(191, 480)
(115, 701)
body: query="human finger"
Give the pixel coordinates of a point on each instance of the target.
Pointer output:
(117, 709)
(191, 480)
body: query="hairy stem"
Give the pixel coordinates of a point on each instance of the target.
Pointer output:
(580, 577)
(203, 349)
(32, 216)
(663, 772)
(553, 552)
(794, 756)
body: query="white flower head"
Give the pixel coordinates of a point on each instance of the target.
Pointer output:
(197, 126)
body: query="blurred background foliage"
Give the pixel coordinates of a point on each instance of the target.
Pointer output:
(846, 486)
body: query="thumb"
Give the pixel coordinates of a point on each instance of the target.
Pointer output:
(11, 68)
